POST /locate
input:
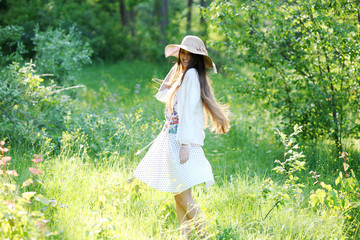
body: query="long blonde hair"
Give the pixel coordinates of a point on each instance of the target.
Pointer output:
(218, 113)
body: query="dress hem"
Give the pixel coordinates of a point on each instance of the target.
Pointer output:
(208, 183)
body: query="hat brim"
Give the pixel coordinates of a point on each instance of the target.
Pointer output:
(173, 50)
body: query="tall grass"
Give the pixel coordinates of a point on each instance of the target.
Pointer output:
(97, 201)
(118, 115)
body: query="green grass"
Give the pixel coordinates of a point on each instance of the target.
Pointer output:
(88, 178)
(92, 195)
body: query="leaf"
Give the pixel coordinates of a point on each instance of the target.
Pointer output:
(38, 181)
(338, 180)
(282, 135)
(326, 186)
(37, 214)
(334, 194)
(12, 187)
(320, 194)
(28, 195)
(42, 199)
(313, 200)
(285, 196)
(346, 166)
(27, 183)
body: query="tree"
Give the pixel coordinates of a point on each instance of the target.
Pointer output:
(203, 24)
(124, 14)
(308, 59)
(164, 19)
(189, 8)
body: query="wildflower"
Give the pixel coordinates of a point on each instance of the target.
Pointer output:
(314, 175)
(3, 150)
(12, 172)
(35, 171)
(4, 160)
(2, 143)
(37, 160)
(343, 154)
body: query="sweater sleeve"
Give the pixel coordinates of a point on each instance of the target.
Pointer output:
(188, 99)
(161, 95)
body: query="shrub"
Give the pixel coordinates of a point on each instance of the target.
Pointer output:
(61, 53)
(30, 112)
(307, 58)
(289, 169)
(17, 218)
(11, 46)
(342, 198)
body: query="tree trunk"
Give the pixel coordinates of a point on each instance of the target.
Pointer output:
(336, 133)
(156, 12)
(164, 20)
(203, 24)
(124, 14)
(189, 6)
(132, 22)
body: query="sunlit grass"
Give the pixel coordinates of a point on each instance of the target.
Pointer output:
(98, 200)
(118, 115)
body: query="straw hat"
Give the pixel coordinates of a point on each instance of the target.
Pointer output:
(191, 44)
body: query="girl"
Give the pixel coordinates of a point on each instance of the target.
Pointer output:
(176, 162)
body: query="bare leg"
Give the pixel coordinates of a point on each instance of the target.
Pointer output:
(187, 210)
(183, 221)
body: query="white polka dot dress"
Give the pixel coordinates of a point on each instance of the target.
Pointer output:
(160, 168)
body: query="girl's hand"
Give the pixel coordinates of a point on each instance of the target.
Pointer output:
(184, 153)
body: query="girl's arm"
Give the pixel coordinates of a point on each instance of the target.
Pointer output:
(189, 97)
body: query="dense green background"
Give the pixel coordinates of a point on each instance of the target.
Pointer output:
(77, 86)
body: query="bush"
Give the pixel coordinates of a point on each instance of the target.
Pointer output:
(100, 23)
(307, 58)
(340, 198)
(29, 111)
(61, 53)
(11, 46)
(19, 219)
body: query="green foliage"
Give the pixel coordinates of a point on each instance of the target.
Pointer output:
(99, 22)
(97, 201)
(102, 24)
(106, 205)
(30, 113)
(60, 53)
(11, 45)
(18, 219)
(104, 136)
(291, 163)
(116, 113)
(104, 229)
(289, 169)
(342, 199)
(307, 58)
